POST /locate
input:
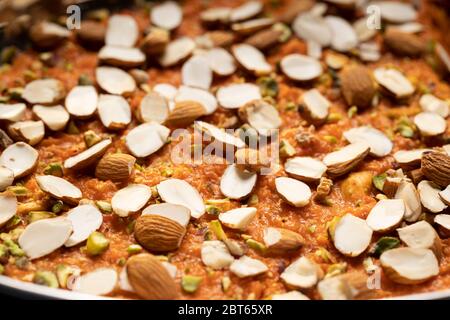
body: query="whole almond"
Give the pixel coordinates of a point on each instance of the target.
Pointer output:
(158, 233)
(116, 167)
(184, 113)
(436, 167)
(265, 39)
(357, 86)
(150, 279)
(404, 44)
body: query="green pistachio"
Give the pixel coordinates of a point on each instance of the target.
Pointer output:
(14, 221)
(54, 169)
(14, 248)
(84, 80)
(57, 207)
(256, 245)
(384, 244)
(4, 254)
(18, 190)
(63, 272)
(72, 128)
(334, 117)
(324, 254)
(39, 215)
(91, 138)
(336, 269)
(2, 269)
(105, 206)
(7, 54)
(46, 278)
(190, 283)
(330, 139)
(121, 262)
(291, 106)
(378, 181)
(253, 200)
(134, 248)
(96, 244)
(352, 111)
(216, 227)
(22, 263)
(213, 210)
(217, 201)
(268, 86)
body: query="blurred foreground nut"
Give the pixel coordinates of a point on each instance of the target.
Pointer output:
(155, 42)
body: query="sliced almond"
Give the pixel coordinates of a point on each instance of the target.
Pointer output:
(302, 273)
(396, 11)
(421, 235)
(436, 167)
(31, 132)
(386, 215)
(394, 82)
(237, 184)
(246, 11)
(346, 286)
(247, 267)
(220, 61)
(130, 199)
(430, 103)
(166, 90)
(312, 27)
(114, 80)
(81, 102)
(314, 106)
(184, 113)
(216, 15)
(409, 159)
(12, 112)
(363, 32)
(167, 15)
(305, 168)
(281, 241)
(429, 196)
(114, 111)
(6, 177)
(237, 95)
(300, 68)
(85, 219)
(48, 34)
(314, 49)
(88, 156)
(45, 236)
(176, 51)
(146, 139)
(54, 117)
(344, 160)
(410, 196)
(445, 195)
(251, 59)
(293, 191)
(20, 158)
(291, 295)
(197, 73)
(261, 115)
(343, 37)
(215, 255)
(101, 281)
(239, 218)
(180, 192)
(116, 167)
(158, 233)
(43, 91)
(251, 26)
(205, 98)
(176, 212)
(443, 222)
(122, 31)
(155, 42)
(409, 265)
(8, 203)
(404, 44)
(219, 135)
(59, 188)
(357, 86)
(351, 235)
(430, 124)
(121, 56)
(268, 38)
(149, 278)
(153, 108)
(379, 143)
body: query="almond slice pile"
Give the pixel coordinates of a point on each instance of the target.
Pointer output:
(45, 236)
(54, 117)
(344, 160)
(431, 103)
(251, 59)
(237, 95)
(300, 68)
(81, 101)
(88, 156)
(98, 282)
(20, 158)
(176, 51)
(59, 188)
(121, 56)
(167, 15)
(43, 91)
(205, 98)
(221, 61)
(302, 273)
(305, 168)
(219, 135)
(343, 36)
(237, 184)
(239, 218)
(180, 192)
(246, 11)
(386, 215)
(315, 106)
(394, 82)
(351, 235)
(31, 132)
(130, 199)
(153, 108)
(293, 191)
(197, 73)
(430, 124)
(122, 31)
(247, 267)
(6, 177)
(8, 203)
(176, 212)
(114, 111)
(146, 139)
(215, 254)
(85, 219)
(379, 143)
(261, 115)
(12, 112)
(114, 80)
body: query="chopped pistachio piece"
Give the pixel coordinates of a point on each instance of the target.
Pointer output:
(14, 248)
(91, 138)
(336, 269)
(22, 263)
(286, 149)
(334, 117)
(253, 200)
(330, 139)
(63, 272)
(4, 254)
(134, 248)
(57, 206)
(384, 244)
(378, 181)
(352, 111)
(72, 128)
(39, 215)
(18, 190)
(46, 278)
(268, 86)
(217, 201)
(216, 227)
(256, 245)
(105, 206)
(190, 283)
(324, 254)
(213, 210)
(96, 243)
(84, 80)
